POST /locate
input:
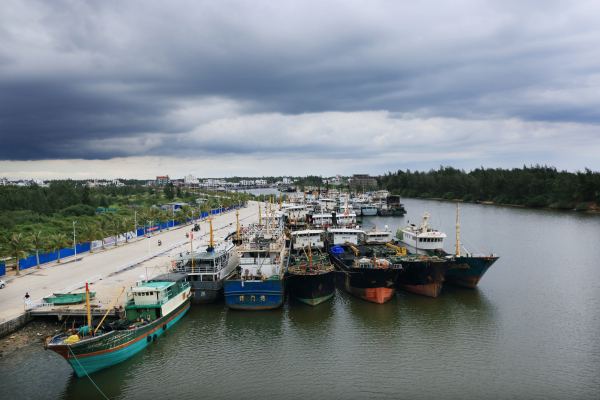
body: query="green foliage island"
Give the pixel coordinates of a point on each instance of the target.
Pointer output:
(534, 186)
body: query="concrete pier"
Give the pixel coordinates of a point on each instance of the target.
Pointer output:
(55, 277)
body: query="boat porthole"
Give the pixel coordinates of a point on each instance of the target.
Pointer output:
(149, 339)
(164, 327)
(155, 336)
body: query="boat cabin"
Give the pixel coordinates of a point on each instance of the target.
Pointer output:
(327, 204)
(344, 235)
(148, 300)
(207, 266)
(300, 239)
(327, 219)
(378, 237)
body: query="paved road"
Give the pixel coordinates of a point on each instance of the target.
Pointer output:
(54, 277)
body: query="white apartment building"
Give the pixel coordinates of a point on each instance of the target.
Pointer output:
(190, 179)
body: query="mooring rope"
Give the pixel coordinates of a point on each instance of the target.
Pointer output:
(86, 372)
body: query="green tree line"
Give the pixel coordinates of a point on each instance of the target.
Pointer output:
(534, 186)
(25, 232)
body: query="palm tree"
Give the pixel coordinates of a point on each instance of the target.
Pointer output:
(57, 242)
(17, 247)
(117, 229)
(181, 216)
(184, 211)
(152, 215)
(205, 207)
(105, 229)
(128, 226)
(37, 242)
(90, 233)
(162, 216)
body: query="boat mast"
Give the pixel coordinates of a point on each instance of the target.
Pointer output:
(272, 219)
(347, 212)
(192, 251)
(87, 300)
(259, 217)
(457, 228)
(309, 252)
(212, 240)
(267, 216)
(237, 218)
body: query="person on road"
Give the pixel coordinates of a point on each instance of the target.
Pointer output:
(26, 296)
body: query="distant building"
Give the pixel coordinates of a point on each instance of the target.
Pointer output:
(190, 179)
(162, 180)
(173, 206)
(363, 180)
(3, 182)
(117, 183)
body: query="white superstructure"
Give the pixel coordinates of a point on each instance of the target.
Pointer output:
(300, 239)
(422, 237)
(344, 236)
(378, 237)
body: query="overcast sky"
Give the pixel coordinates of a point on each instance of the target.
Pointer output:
(105, 89)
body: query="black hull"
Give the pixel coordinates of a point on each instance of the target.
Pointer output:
(207, 292)
(372, 284)
(312, 289)
(424, 277)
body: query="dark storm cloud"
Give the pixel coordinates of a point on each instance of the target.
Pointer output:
(98, 80)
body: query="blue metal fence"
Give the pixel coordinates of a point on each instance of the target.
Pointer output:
(49, 257)
(81, 248)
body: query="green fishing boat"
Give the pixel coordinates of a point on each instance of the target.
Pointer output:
(67, 298)
(150, 310)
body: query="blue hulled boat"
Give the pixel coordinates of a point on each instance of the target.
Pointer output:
(258, 282)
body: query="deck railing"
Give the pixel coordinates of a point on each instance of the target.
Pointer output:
(247, 261)
(146, 302)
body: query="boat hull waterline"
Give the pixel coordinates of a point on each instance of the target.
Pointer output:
(257, 294)
(468, 271)
(94, 355)
(312, 289)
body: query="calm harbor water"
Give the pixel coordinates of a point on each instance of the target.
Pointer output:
(531, 330)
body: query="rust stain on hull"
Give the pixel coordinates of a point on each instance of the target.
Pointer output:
(470, 282)
(376, 295)
(430, 290)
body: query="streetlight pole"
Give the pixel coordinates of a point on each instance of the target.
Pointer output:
(74, 242)
(221, 212)
(147, 237)
(135, 223)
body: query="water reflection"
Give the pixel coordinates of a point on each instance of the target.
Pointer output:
(530, 330)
